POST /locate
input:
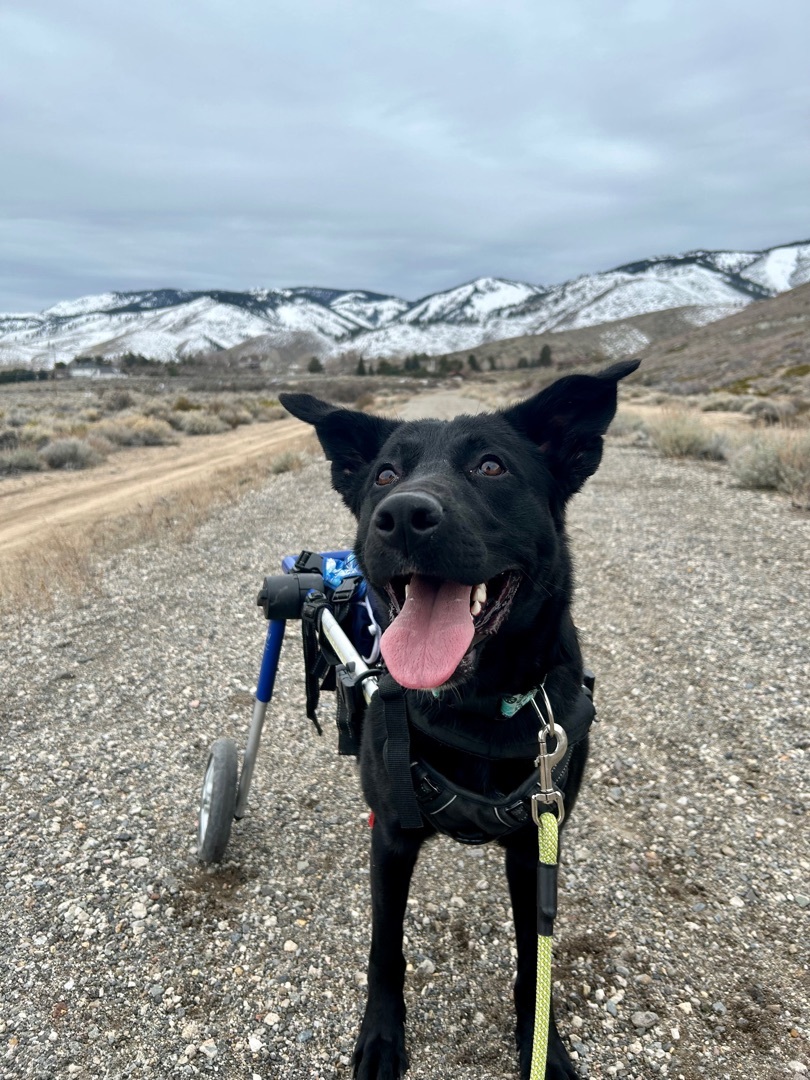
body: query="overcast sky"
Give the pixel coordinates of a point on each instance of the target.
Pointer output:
(402, 148)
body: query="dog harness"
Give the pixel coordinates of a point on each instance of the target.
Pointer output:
(422, 794)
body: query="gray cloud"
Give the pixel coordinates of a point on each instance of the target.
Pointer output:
(401, 149)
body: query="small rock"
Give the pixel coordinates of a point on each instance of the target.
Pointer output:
(209, 1048)
(290, 946)
(644, 1020)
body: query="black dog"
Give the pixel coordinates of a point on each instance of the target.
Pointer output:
(461, 533)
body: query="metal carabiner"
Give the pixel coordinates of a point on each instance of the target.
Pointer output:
(549, 794)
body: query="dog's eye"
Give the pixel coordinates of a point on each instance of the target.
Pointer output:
(386, 476)
(491, 467)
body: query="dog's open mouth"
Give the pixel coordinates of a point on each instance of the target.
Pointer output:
(436, 622)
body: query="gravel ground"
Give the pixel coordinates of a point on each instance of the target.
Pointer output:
(682, 943)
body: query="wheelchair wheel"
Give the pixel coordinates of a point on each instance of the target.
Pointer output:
(217, 801)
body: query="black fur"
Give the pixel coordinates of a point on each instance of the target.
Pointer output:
(438, 515)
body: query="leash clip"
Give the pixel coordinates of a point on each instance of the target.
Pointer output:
(549, 794)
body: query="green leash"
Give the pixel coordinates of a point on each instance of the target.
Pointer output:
(547, 887)
(548, 820)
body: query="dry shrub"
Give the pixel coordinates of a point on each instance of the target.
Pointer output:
(184, 404)
(36, 435)
(627, 423)
(116, 400)
(364, 401)
(9, 439)
(755, 464)
(158, 409)
(151, 431)
(286, 462)
(270, 414)
(255, 405)
(117, 432)
(69, 454)
(102, 446)
(22, 459)
(684, 435)
(136, 431)
(775, 461)
(721, 402)
(230, 414)
(770, 412)
(794, 462)
(57, 564)
(202, 423)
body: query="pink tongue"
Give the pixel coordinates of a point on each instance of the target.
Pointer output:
(424, 645)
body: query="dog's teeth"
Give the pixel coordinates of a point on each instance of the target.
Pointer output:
(479, 594)
(475, 608)
(407, 589)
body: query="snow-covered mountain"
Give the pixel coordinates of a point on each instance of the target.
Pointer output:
(167, 324)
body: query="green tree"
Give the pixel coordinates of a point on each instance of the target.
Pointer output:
(545, 356)
(315, 367)
(472, 360)
(523, 362)
(361, 367)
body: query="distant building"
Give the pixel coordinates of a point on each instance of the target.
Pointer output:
(90, 368)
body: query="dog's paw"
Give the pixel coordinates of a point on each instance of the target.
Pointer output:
(380, 1057)
(561, 1070)
(558, 1064)
(556, 1069)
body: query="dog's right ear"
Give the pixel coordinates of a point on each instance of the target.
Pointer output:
(351, 440)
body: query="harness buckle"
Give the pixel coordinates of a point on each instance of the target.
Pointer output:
(549, 794)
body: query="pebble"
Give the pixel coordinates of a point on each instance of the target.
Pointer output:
(644, 1019)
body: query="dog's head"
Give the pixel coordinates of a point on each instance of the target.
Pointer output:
(461, 522)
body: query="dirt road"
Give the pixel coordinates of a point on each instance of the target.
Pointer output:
(34, 506)
(31, 506)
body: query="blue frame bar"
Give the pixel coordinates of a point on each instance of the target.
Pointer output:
(272, 651)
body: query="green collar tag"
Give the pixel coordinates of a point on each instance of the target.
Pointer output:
(513, 703)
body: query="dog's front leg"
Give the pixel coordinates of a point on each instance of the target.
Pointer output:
(521, 872)
(380, 1050)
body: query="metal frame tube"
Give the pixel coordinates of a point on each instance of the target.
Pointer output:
(347, 653)
(264, 692)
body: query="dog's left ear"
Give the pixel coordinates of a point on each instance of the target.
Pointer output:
(568, 419)
(351, 440)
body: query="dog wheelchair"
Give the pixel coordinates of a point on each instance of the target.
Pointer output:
(327, 593)
(341, 632)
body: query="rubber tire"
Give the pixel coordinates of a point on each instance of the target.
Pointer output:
(217, 801)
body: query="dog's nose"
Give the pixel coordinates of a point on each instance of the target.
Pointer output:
(407, 515)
